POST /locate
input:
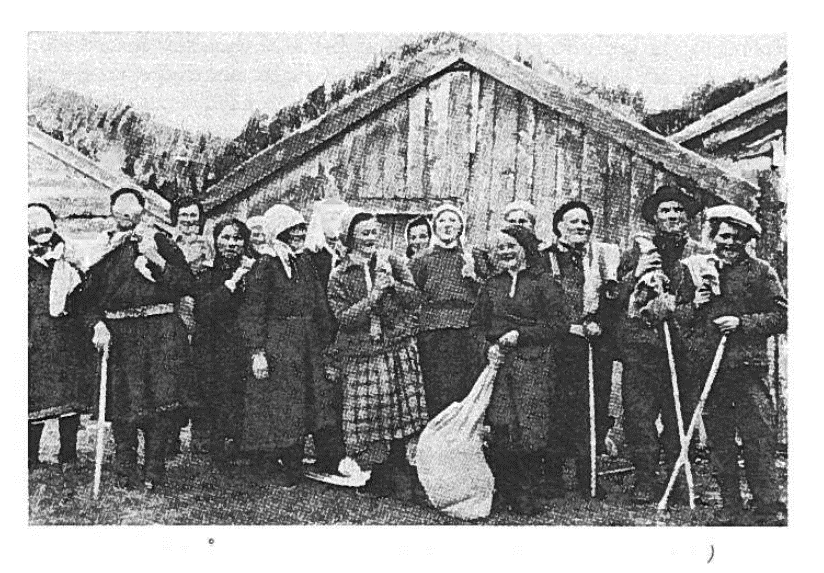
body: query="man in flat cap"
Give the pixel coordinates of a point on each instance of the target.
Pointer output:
(129, 300)
(732, 293)
(650, 272)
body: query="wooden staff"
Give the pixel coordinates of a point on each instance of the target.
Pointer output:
(696, 415)
(101, 418)
(592, 474)
(676, 395)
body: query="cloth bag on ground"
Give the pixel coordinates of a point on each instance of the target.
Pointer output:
(449, 457)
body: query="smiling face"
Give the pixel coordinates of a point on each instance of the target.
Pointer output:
(258, 235)
(507, 253)
(729, 242)
(229, 242)
(448, 227)
(521, 218)
(419, 237)
(365, 237)
(41, 226)
(671, 218)
(127, 212)
(575, 227)
(295, 237)
(188, 220)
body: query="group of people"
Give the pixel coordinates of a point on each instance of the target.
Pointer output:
(277, 329)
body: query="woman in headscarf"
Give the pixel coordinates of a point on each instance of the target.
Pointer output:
(55, 378)
(322, 244)
(521, 309)
(257, 237)
(447, 273)
(418, 236)
(286, 325)
(220, 355)
(372, 295)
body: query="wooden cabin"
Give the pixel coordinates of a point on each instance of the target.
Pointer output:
(77, 189)
(462, 123)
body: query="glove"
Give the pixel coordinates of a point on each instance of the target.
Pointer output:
(260, 368)
(577, 330)
(102, 337)
(592, 330)
(509, 339)
(659, 309)
(495, 355)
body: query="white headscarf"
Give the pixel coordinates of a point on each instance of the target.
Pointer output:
(64, 277)
(325, 222)
(275, 221)
(468, 269)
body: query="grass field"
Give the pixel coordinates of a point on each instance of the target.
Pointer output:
(199, 494)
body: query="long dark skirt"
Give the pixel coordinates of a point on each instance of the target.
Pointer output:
(451, 360)
(296, 399)
(570, 399)
(148, 365)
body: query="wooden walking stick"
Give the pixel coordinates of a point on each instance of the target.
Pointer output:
(696, 415)
(676, 395)
(101, 418)
(592, 474)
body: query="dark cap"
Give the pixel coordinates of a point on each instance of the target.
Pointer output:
(669, 193)
(566, 208)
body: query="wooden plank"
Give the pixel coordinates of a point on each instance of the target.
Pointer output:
(642, 183)
(384, 165)
(460, 128)
(524, 156)
(437, 128)
(416, 144)
(617, 193)
(594, 173)
(355, 163)
(475, 94)
(480, 175)
(570, 156)
(636, 137)
(545, 151)
(504, 151)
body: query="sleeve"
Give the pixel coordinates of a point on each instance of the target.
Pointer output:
(320, 306)
(626, 278)
(773, 318)
(551, 322)
(176, 275)
(685, 312)
(254, 311)
(349, 313)
(406, 290)
(480, 320)
(418, 268)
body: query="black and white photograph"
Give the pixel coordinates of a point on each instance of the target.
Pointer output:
(429, 278)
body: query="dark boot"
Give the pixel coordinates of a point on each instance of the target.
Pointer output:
(329, 450)
(125, 455)
(157, 437)
(525, 502)
(759, 466)
(582, 480)
(35, 433)
(291, 467)
(68, 427)
(380, 482)
(646, 487)
(553, 477)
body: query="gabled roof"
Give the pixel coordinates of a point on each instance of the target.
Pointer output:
(156, 205)
(460, 52)
(771, 97)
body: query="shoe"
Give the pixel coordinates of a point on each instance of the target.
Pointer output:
(644, 494)
(285, 479)
(380, 482)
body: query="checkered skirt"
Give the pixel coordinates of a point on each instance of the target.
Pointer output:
(383, 400)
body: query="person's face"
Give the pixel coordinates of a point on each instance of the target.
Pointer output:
(575, 227)
(229, 242)
(41, 227)
(296, 238)
(419, 238)
(671, 217)
(127, 212)
(508, 253)
(258, 235)
(188, 220)
(448, 226)
(729, 242)
(365, 237)
(519, 217)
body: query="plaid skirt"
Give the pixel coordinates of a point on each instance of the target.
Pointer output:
(383, 400)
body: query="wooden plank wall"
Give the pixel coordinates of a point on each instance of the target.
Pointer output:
(467, 138)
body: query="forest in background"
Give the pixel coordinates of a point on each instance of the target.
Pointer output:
(177, 162)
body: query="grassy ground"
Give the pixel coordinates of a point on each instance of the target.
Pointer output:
(198, 493)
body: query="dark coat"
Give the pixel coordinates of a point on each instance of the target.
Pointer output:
(750, 290)
(221, 358)
(57, 383)
(150, 358)
(289, 320)
(521, 404)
